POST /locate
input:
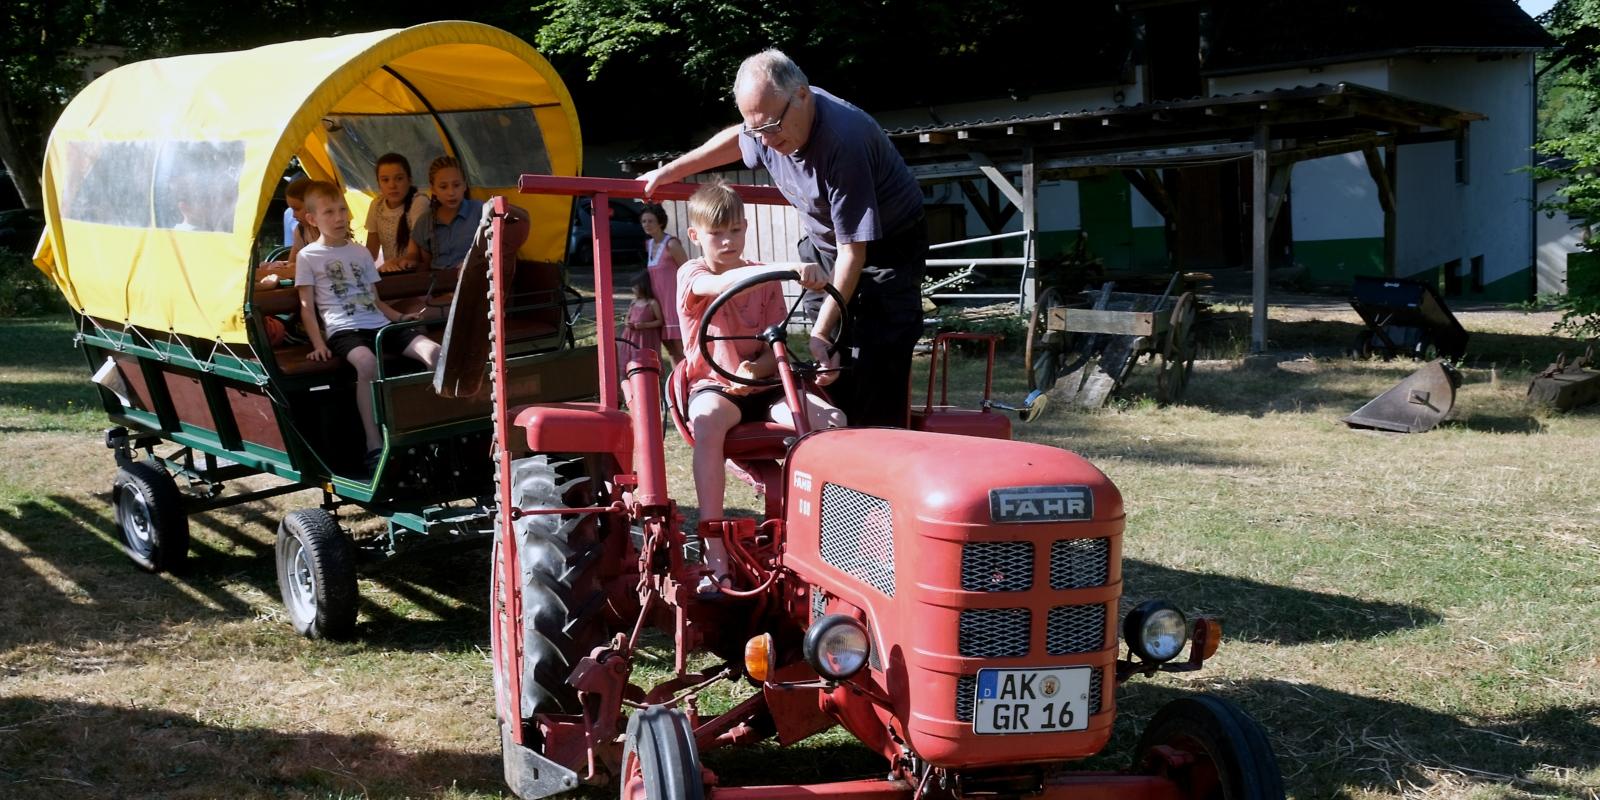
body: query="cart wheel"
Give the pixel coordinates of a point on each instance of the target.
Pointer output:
(560, 561)
(1229, 757)
(1043, 349)
(659, 760)
(150, 513)
(1177, 356)
(317, 575)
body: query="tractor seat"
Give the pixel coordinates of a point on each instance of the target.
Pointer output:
(747, 441)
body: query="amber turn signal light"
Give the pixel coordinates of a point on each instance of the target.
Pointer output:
(1208, 630)
(758, 657)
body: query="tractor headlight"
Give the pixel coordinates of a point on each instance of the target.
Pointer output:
(837, 646)
(1155, 630)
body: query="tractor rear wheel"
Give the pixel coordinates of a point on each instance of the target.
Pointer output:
(560, 560)
(1229, 757)
(317, 575)
(659, 757)
(151, 516)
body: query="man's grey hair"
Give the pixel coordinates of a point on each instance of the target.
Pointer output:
(771, 68)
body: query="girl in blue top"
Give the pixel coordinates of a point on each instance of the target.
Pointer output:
(455, 216)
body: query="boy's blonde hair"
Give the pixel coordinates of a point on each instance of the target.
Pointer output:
(323, 189)
(715, 205)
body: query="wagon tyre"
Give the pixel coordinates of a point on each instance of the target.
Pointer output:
(1177, 355)
(659, 757)
(1043, 349)
(151, 517)
(317, 575)
(1228, 756)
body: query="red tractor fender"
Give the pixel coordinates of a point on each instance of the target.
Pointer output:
(577, 428)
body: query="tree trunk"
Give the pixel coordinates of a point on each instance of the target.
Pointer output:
(25, 164)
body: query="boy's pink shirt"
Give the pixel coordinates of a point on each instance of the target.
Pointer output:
(747, 314)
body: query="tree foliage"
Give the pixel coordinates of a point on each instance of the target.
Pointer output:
(1570, 125)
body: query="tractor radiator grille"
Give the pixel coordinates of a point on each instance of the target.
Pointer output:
(994, 632)
(1076, 629)
(1080, 563)
(967, 694)
(997, 566)
(858, 536)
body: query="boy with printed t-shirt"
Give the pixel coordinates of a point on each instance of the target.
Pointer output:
(340, 308)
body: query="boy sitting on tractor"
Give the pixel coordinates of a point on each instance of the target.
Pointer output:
(717, 227)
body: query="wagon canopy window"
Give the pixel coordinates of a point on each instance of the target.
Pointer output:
(356, 140)
(179, 185)
(494, 146)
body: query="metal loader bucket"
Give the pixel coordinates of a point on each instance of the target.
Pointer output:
(1415, 404)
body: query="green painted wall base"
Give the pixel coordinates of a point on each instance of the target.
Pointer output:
(1339, 261)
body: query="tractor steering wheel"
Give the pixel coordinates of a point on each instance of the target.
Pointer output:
(771, 335)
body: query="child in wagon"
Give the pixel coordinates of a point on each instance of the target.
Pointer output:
(717, 226)
(340, 308)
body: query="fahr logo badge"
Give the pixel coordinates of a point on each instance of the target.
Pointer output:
(1041, 504)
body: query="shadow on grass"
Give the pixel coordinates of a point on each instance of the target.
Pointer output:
(1228, 336)
(1333, 744)
(95, 591)
(450, 584)
(57, 748)
(1261, 612)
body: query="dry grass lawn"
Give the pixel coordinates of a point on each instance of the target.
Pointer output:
(1409, 616)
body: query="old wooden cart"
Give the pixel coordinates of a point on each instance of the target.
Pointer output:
(1082, 352)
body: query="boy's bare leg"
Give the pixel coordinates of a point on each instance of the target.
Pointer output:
(366, 366)
(425, 350)
(820, 413)
(711, 416)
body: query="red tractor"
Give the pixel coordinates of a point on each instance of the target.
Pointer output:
(950, 598)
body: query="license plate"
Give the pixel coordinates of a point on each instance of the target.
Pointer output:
(1032, 700)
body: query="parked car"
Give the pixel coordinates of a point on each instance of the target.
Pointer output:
(627, 237)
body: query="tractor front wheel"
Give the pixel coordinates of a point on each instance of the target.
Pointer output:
(151, 517)
(317, 575)
(1212, 749)
(659, 759)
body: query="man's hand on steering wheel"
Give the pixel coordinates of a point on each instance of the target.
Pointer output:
(808, 275)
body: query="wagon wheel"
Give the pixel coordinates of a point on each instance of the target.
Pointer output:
(1042, 352)
(151, 516)
(659, 759)
(1177, 354)
(1211, 749)
(317, 575)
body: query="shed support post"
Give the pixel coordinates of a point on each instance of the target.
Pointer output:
(1391, 215)
(1258, 243)
(1030, 224)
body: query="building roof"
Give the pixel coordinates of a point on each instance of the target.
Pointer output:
(1304, 122)
(1259, 35)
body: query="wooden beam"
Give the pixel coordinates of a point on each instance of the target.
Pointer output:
(1148, 183)
(1277, 193)
(1391, 215)
(998, 178)
(1258, 243)
(935, 138)
(981, 205)
(1380, 177)
(1030, 223)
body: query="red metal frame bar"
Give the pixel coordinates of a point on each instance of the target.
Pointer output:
(510, 651)
(634, 190)
(939, 364)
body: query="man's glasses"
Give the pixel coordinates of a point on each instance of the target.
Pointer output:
(772, 128)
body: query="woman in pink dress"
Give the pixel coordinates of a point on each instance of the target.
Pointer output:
(664, 254)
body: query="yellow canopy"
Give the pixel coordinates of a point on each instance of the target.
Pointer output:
(158, 174)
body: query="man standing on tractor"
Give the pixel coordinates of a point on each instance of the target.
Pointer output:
(862, 209)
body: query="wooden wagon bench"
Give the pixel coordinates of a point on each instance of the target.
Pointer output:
(1083, 353)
